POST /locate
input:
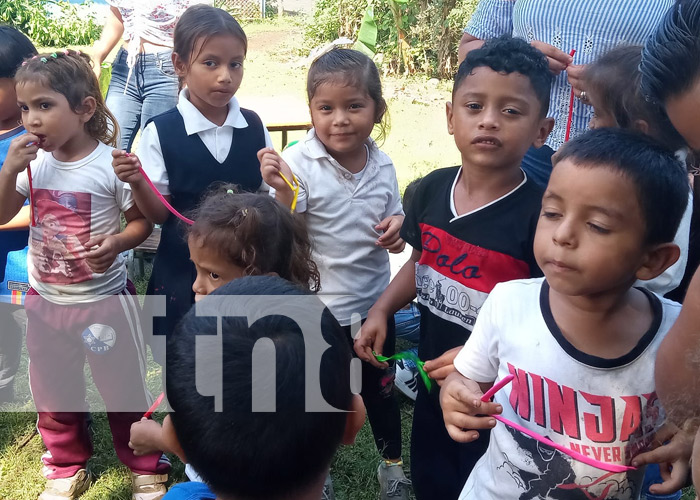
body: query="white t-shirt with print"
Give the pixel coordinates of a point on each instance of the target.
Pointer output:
(606, 409)
(73, 202)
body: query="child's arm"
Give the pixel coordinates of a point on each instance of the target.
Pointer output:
(104, 248)
(391, 239)
(22, 151)
(271, 165)
(460, 400)
(146, 437)
(400, 292)
(127, 168)
(19, 221)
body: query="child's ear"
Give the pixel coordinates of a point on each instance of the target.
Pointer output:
(658, 259)
(179, 64)
(87, 108)
(355, 420)
(170, 440)
(544, 129)
(641, 126)
(448, 111)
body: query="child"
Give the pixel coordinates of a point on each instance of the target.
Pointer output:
(241, 453)
(207, 138)
(470, 227)
(612, 86)
(581, 342)
(236, 235)
(349, 195)
(14, 48)
(80, 303)
(670, 71)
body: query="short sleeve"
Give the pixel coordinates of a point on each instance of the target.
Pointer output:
(410, 230)
(491, 18)
(22, 184)
(151, 158)
(123, 195)
(393, 206)
(478, 360)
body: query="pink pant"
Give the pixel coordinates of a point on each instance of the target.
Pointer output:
(59, 339)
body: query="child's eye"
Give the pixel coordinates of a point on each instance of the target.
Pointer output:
(24, 107)
(209, 64)
(473, 105)
(236, 65)
(214, 276)
(325, 108)
(44, 105)
(549, 214)
(512, 111)
(598, 229)
(356, 106)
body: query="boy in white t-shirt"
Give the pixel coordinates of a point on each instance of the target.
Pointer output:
(580, 342)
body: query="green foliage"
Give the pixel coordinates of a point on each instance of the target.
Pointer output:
(51, 23)
(413, 36)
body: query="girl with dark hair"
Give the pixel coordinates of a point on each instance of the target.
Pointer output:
(208, 138)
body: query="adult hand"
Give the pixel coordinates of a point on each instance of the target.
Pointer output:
(575, 74)
(558, 59)
(460, 400)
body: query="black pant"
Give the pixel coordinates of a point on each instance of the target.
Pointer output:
(380, 401)
(439, 465)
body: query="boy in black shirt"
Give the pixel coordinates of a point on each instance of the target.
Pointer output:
(470, 227)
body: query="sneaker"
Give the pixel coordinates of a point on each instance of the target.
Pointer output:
(67, 487)
(392, 481)
(407, 376)
(328, 493)
(148, 487)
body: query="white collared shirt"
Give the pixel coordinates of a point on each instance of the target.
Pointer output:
(216, 138)
(341, 213)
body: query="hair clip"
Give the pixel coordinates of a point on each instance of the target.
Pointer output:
(78, 52)
(67, 52)
(24, 63)
(244, 211)
(229, 191)
(44, 60)
(54, 55)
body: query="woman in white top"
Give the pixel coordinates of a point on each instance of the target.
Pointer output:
(144, 83)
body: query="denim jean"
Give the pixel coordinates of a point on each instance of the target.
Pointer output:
(537, 164)
(151, 90)
(408, 323)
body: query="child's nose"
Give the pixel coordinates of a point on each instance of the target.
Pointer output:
(564, 234)
(489, 119)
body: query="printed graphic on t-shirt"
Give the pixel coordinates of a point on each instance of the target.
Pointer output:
(602, 427)
(453, 277)
(58, 239)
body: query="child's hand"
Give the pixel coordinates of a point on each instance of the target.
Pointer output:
(271, 165)
(145, 437)
(391, 240)
(102, 250)
(371, 338)
(673, 458)
(126, 166)
(22, 151)
(460, 399)
(440, 368)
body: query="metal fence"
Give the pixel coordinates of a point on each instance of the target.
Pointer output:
(243, 9)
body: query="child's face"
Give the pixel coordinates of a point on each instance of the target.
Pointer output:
(590, 235)
(9, 112)
(215, 74)
(48, 115)
(213, 270)
(343, 117)
(495, 118)
(682, 110)
(601, 116)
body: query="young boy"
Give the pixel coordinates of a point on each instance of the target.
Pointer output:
(671, 76)
(470, 227)
(581, 341)
(283, 451)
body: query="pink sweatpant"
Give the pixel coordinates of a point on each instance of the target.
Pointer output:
(59, 339)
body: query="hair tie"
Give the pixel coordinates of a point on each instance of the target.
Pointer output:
(229, 191)
(244, 212)
(44, 60)
(54, 55)
(24, 63)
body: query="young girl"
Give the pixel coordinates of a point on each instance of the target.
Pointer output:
(207, 138)
(80, 303)
(237, 235)
(349, 194)
(613, 86)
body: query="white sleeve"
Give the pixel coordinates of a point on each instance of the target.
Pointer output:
(491, 18)
(394, 207)
(151, 157)
(671, 277)
(22, 183)
(478, 360)
(302, 197)
(123, 195)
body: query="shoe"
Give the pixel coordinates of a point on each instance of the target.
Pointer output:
(328, 493)
(392, 481)
(407, 376)
(67, 487)
(148, 487)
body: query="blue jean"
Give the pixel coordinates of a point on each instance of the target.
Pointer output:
(537, 164)
(151, 90)
(408, 323)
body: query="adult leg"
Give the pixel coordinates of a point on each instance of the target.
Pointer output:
(159, 86)
(125, 105)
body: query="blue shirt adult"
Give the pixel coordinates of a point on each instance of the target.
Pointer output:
(190, 491)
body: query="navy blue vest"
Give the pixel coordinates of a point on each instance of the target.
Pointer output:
(192, 171)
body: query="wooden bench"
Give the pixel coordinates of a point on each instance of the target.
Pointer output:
(285, 128)
(146, 251)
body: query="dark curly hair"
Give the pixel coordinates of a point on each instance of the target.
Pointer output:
(256, 233)
(506, 54)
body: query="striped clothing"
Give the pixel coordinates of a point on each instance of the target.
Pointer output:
(592, 27)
